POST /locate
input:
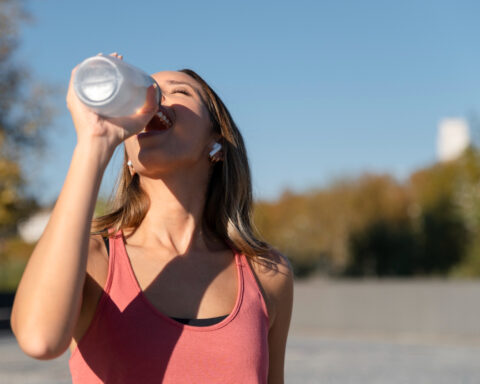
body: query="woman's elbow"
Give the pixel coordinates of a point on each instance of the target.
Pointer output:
(38, 346)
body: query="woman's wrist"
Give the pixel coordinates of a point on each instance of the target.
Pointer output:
(96, 152)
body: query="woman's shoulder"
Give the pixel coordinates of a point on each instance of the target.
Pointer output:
(275, 266)
(274, 272)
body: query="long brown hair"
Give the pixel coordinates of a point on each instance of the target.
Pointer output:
(228, 203)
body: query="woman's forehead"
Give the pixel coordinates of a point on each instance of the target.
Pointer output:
(175, 77)
(165, 76)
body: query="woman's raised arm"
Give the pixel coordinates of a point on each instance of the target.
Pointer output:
(49, 296)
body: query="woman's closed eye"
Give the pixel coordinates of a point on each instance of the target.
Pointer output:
(181, 90)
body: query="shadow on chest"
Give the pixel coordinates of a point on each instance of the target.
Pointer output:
(187, 287)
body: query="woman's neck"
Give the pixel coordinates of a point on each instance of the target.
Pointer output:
(174, 218)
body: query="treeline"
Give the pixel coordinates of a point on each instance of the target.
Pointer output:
(376, 226)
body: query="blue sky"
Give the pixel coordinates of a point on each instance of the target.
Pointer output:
(320, 90)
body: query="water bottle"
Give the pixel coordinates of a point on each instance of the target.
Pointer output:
(111, 87)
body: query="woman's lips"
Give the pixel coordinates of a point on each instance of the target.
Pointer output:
(156, 124)
(160, 122)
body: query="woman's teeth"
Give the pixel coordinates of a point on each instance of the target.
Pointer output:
(164, 118)
(163, 122)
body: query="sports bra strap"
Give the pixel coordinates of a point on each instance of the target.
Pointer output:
(107, 244)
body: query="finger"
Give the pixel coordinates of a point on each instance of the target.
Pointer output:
(116, 55)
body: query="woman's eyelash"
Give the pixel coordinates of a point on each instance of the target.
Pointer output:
(179, 90)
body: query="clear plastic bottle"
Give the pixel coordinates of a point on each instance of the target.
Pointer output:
(111, 87)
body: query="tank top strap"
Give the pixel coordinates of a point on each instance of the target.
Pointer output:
(253, 292)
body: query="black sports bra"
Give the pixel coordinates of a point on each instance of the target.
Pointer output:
(195, 322)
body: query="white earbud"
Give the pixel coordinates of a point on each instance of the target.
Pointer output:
(216, 147)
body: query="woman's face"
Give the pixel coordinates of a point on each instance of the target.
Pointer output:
(182, 137)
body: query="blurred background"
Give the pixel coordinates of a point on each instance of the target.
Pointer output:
(362, 124)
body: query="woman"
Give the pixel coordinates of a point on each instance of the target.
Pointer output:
(182, 291)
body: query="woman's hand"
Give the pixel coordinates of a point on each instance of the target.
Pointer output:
(112, 131)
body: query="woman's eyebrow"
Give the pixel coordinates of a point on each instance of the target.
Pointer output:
(180, 82)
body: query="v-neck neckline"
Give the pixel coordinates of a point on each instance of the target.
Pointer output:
(156, 311)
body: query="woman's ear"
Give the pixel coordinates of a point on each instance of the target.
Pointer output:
(130, 168)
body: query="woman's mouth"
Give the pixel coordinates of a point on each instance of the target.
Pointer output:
(159, 122)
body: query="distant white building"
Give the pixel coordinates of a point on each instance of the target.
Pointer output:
(453, 138)
(31, 229)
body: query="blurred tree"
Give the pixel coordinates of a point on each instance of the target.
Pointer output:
(13, 259)
(25, 112)
(396, 248)
(467, 202)
(444, 239)
(373, 225)
(314, 228)
(449, 218)
(291, 225)
(384, 248)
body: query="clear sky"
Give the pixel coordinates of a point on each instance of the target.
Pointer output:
(319, 89)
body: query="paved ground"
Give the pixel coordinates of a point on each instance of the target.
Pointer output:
(399, 309)
(309, 360)
(352, 361)
(349, 332)
(17, 368)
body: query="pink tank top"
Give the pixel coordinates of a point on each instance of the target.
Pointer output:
(130, 341)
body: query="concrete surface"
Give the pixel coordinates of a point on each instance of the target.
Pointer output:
(400, 310)
(342, 332)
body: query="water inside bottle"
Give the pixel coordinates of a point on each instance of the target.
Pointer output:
(99, 82)
(99, 90)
